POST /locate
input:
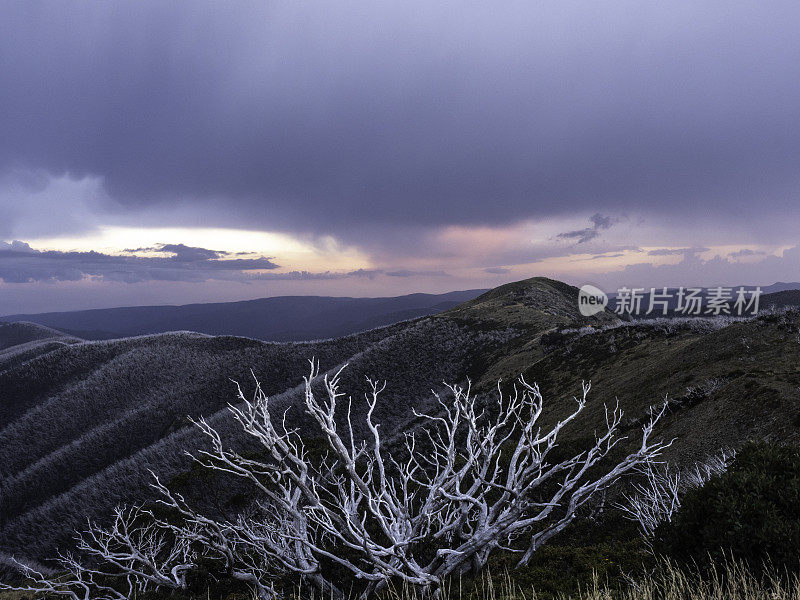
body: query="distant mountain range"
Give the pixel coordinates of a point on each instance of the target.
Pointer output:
(780, 286)
(283, 318)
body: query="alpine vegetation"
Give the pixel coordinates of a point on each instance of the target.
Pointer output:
(472, 477)
(656, 500)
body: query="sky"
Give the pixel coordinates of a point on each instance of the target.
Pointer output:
(165, 153)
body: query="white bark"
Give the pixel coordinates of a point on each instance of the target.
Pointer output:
(656, 499)
(134, 554)
(451, 487)
(468, 481)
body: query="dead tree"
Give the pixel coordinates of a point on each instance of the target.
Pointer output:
(134, 555)
(657, 498)
(469, 480)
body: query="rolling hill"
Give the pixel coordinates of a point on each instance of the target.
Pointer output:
(82, 424)
(23, 341)
(783, 298)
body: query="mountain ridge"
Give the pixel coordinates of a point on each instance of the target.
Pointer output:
(280, 318)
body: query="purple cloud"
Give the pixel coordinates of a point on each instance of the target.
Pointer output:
(599, 223)
(19, 263)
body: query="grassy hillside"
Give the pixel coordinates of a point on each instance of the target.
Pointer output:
(534, 305)
(726, 381)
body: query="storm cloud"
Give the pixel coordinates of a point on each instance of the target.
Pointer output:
(599, 223)
(347, 118)
(377, 148)
(19, 263)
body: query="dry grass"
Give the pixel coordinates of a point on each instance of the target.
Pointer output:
(731, 581)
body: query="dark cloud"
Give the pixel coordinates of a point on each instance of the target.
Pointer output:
(19, 263)
(185, 253)
(16, 246)
(746, 252)
(599, 223)
(599, 256)
(365, 273)
(676, 251)
(316, 117)
(496, 270)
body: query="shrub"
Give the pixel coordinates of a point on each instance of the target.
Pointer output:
(751, 512)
